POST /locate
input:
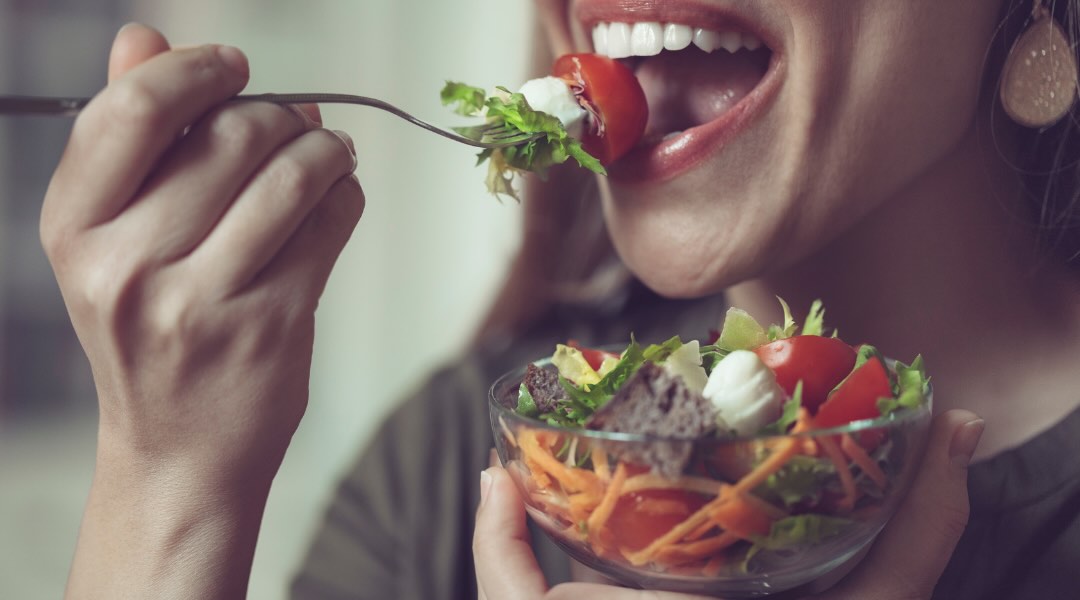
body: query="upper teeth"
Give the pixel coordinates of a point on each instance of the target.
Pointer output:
(620, 40)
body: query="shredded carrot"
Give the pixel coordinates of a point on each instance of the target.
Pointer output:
(700, 532)
(803, 423)
(784, 450)
(683, 553)
(648, 481)
(739, 515)
(846, 480)
(859, 456)
(600, 463)
(603, 511)
(541, 460)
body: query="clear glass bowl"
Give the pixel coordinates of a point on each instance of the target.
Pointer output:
(720, 526)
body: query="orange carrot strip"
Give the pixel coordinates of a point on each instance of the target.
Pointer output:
(700, 532)
(600, 463)
(846, 480)
(740, 516)
(784, 450)
(648, 481)
(859, 456)
(603, 511)
(537, 457)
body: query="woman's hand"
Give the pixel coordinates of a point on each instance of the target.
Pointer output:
(905, 562)
(191, 239)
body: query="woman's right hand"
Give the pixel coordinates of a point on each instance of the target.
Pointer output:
(191, 239)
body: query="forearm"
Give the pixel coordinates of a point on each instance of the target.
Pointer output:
(164, 531)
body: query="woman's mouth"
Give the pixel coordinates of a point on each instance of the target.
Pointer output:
(704, 83)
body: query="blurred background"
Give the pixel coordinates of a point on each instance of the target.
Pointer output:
(406, 294)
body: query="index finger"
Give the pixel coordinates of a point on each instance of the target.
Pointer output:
(124, 131)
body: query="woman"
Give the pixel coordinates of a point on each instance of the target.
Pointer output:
(868, 174)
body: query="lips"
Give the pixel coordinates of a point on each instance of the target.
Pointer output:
(707, 71)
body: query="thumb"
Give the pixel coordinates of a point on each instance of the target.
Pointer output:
(134, 45)
(915, 546)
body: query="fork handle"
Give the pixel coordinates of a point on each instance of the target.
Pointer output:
(43, 105)
(37, 105)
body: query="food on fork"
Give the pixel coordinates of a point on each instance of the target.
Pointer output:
(591, 109)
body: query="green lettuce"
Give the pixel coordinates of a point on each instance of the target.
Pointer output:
(799, 482)
(512, 113)
(795, 531)
(526, 405)
(912, 385)
(788, 415)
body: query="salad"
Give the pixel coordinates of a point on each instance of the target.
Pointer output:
(590, 108)
(748, 455)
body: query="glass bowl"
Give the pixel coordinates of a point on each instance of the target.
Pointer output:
(726, 521)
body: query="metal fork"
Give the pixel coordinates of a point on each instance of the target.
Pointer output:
(480, 136)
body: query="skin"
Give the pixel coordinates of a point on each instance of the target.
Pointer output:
(881, 196)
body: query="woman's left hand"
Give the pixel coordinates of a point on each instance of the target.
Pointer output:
(905, 562)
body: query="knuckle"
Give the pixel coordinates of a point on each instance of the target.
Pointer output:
(134, 104)
(292, 177)
(238, 133)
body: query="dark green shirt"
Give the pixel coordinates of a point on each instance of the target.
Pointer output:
(400, 525)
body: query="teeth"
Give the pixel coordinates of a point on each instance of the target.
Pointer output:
(676, 37)
(618, 40)
(649, 38)
(706, 40)
(731, 41)
(646, 39)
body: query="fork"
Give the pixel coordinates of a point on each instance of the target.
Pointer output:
(480, 136)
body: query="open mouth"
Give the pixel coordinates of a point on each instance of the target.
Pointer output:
(704, 82)
(691, 76)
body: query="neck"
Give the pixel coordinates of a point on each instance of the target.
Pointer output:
(947, 268)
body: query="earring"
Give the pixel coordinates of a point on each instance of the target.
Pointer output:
(1039, 81)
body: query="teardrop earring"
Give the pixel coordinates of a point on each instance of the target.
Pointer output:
(1039, 81)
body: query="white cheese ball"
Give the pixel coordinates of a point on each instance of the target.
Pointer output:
(552, 96)
(744, 392)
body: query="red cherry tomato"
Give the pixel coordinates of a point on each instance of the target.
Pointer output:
(857, 398)
(641, 517)
(595, 358)
(820, 362)
(616, 104)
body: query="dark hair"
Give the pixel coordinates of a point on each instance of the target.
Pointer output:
(1048, 159)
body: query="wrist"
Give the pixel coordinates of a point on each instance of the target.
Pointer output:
(159, 527)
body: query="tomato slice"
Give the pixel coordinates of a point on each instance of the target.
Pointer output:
(641, 517)
(857, 398)
(608, 90)
(820, 362)
(594, 357)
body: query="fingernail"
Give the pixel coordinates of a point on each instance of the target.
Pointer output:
(127, 26)
(233, 58)
(485, 484)
(964, 442)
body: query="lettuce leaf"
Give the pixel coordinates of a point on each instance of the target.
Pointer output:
(779, 333)
(526, 405)
(741, 331)
(912, 387)
(799, 530)
(799, 482)
(788, 415)
(512, 113)
(815, 319)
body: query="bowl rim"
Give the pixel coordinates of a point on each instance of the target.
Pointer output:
(894, 419)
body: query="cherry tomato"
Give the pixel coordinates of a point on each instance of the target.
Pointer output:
(615, 101)
(820, 362)
(641, 517)
(594, 357)
(857, 398)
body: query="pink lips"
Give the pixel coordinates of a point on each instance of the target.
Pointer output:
(681, 152)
